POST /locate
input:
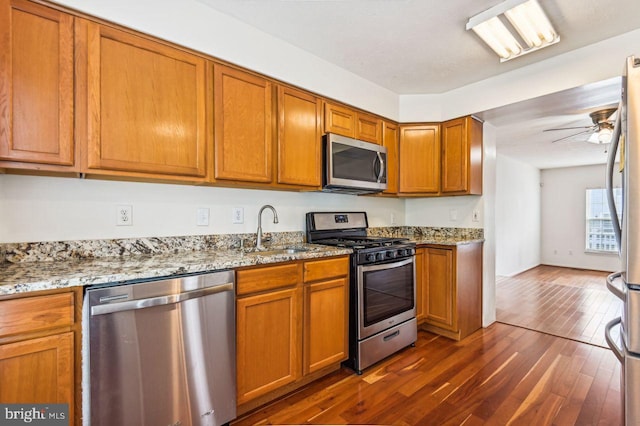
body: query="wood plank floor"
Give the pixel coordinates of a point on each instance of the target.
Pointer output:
(501, 375)
(565, 302)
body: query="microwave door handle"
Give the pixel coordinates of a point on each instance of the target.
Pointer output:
(615, 138)
(381, 173)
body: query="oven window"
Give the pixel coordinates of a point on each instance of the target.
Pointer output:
(387, 292)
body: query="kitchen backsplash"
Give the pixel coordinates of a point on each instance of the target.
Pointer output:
(50, 251)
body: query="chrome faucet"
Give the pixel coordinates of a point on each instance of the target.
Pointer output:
(275, 220)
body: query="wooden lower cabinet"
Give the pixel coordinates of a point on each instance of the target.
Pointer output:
(38, 350)
(268, 337)
(326, 309)
(289, 331)
(419, 262)
(451, 289)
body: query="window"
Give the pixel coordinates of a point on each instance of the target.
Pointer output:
(599, 235)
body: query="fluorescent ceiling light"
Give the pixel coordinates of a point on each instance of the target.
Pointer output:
(526, 17)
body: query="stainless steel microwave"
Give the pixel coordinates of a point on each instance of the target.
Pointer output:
(353, 166)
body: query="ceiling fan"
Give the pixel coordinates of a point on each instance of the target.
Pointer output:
(599, 132)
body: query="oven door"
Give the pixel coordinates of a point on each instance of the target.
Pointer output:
(386, 295)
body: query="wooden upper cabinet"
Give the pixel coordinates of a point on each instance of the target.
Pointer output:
(462, 156)
(339, 120)
(243, 128)
(419, 159)
(390, 141)
(146, 104)
(299, 138)
(36, 88)
(368, 128)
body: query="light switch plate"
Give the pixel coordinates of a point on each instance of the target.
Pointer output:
(237, 215)
(202, 216)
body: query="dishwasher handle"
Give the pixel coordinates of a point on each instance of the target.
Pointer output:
(131, 305)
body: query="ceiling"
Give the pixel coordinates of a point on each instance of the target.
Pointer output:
(422, 47)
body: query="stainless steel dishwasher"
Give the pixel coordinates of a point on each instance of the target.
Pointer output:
(162, 352)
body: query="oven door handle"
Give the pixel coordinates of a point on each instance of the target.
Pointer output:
(379, 266)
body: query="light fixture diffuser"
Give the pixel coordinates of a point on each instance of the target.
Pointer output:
(528, 20)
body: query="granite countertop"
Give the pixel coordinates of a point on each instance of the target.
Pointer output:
(32, 276)
(444, 241)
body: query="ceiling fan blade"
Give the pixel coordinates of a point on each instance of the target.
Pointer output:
(568, 128)
(573, 135)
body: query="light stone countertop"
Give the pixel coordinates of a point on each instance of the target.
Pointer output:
(33, 276)
(444, 241)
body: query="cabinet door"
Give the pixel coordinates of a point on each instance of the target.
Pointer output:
(339, 120)
(420, 159)
(368, 128)
(243, 128)
(420, 284)
(462, 156)
(36, 88)
(145, 105)
(299, 138)
(268, 342)
(38, 371)
(439, 296)
(325, 324)
(390, 141)
(455, 156)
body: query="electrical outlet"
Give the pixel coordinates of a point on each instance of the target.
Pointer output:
(393, 218)
(202, 216)
(124, 215)
(237, 215)
(453, 215)
(475, 216)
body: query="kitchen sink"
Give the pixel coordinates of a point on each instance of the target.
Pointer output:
(276, 251)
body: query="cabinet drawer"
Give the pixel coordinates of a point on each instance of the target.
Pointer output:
(31, 314)
(266, 278)
(323, 269)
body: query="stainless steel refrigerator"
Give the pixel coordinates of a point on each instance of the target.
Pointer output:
(626, 283)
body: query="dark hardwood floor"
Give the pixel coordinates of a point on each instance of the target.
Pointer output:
(565, 302)
(500, 375)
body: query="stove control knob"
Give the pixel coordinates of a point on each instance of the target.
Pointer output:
(380, 256)
(402, 252)
(390, 254)
(370, 257)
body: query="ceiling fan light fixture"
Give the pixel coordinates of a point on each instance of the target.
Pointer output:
(604, 135)
(527, 19)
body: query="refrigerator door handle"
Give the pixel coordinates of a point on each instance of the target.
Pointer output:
(617, 291)
(613, 149)
(618, 352)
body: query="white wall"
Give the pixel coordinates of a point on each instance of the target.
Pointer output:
(563, 218)
(50, 209)
(517, 216)
(589, 64)
(489, 222)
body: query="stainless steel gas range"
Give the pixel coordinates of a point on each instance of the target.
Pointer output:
(382, 317)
